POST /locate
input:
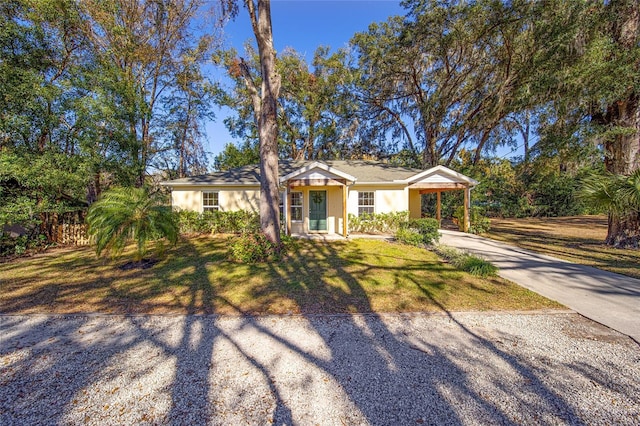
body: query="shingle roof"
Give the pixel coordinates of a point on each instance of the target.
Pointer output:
(363, 171)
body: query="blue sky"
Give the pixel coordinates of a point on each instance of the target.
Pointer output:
(303, 25)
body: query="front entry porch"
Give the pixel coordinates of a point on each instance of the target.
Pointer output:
(315, 200)
(315, 209)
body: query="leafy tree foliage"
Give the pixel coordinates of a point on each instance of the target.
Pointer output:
(43, 162)
(444, 77)
(316, 112)
(93, 95)
(473, 75)
(184, 114)
(591, 82)
(148, 60)
(233, 156)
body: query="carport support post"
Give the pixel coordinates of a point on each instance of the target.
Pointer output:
(438, 207)
(466, 208)
(344, 211)
(285, 206)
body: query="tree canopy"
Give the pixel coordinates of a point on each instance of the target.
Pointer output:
(104, 93)
(94, 94)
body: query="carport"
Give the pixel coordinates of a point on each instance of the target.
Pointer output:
(438, 180)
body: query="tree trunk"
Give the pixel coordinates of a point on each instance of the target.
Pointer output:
(622, 157)
(622, 153)
(624, 231)
(429, 157)
(267, 120)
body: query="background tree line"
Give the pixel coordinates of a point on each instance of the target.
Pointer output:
(97, 94)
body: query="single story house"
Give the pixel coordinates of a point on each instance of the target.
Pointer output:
(318, 196)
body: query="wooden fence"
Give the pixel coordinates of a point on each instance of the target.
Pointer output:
(71, 234)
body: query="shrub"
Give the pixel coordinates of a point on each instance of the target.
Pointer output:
(467, 262)
(234, 222)
(23, 244)
(419, 231)
(377, 222)
(409, 236)
(123, 215)
(254, 247)
(189, 222)
(479, 222)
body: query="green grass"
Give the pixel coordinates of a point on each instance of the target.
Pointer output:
(315, 277)
(577, 239)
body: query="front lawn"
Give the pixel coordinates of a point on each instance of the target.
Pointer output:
(315, 277)
(577, 239)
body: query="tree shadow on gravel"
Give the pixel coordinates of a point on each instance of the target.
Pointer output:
(391, 378)
(301, 369)
(97, 369)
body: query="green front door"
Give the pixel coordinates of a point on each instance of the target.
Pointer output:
(317, 210)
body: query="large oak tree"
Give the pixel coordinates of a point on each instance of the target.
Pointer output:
(264, 96)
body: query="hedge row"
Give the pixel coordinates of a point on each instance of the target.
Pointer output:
(217, 222)
(377, 222)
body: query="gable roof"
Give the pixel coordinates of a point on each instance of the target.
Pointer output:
(442, 172)
(359, 171)
(317, 165)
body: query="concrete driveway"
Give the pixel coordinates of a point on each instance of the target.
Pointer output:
(608, 298)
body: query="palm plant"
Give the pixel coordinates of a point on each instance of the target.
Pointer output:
(618, 195)
(122, 215)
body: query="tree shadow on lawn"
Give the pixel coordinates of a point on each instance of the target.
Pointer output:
(191, 370)
(93, 369)
(563, 274)
(575, 248)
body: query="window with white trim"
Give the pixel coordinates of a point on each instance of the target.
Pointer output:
(366, 202)
(210, 201)
(296, 206)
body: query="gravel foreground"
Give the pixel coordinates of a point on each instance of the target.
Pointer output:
(387, 369)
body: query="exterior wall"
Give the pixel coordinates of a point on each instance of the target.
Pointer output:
(234, 199)
(334, 209)
(186, 199)
(388, 199)
(230, 198)
(415, 204)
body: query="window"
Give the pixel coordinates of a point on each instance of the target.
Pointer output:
(296, 206)
(210, 202)
(281, 208)
(366, 203)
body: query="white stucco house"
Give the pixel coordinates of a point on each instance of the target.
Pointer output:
(318, 196)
